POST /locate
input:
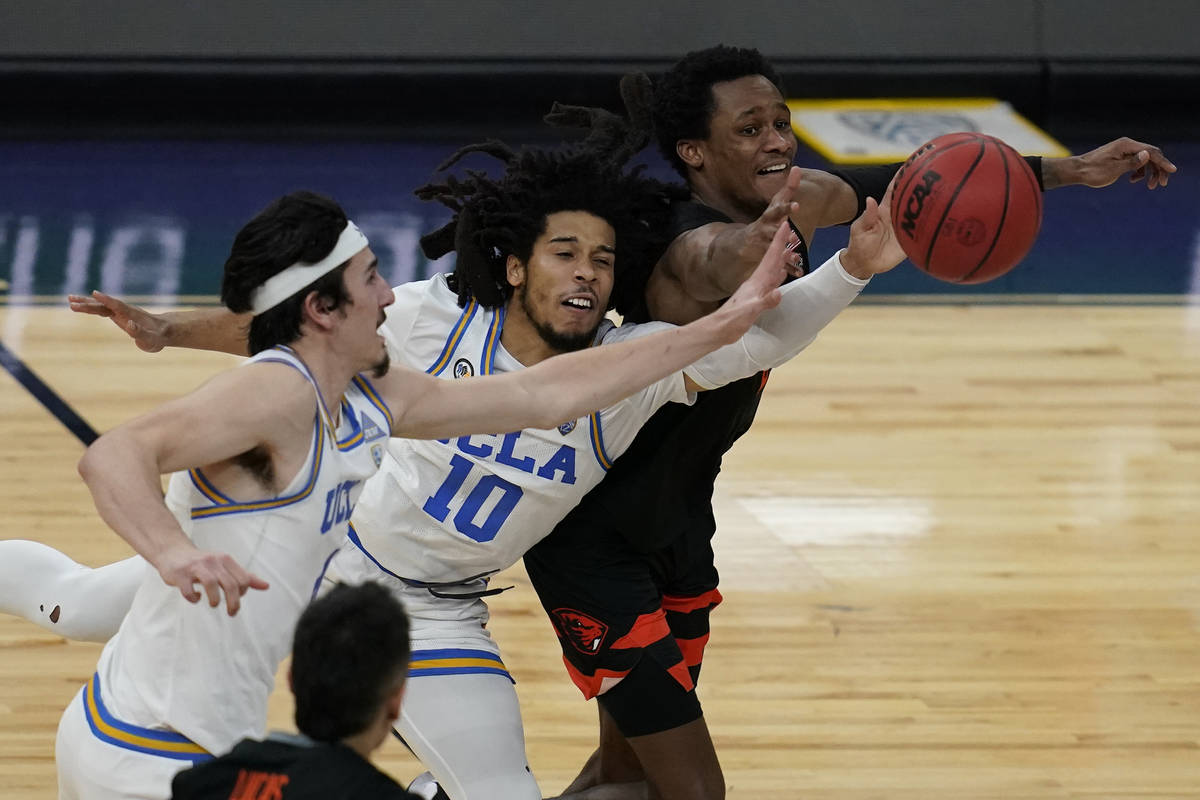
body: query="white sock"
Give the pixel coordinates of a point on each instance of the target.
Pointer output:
(44, 586)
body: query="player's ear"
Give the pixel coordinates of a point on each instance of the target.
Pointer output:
(319, 309)
(394, 700)
(690, 152)
(514, 271)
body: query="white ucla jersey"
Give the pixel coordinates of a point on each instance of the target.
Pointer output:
(194, 669)
(448, 510)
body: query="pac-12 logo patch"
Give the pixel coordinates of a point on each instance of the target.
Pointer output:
(463, 368)
(585, 633)
(567, 427)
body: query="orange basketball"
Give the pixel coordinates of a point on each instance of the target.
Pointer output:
(966, 207)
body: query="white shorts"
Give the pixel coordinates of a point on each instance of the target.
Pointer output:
(90, 768)
(460, 714)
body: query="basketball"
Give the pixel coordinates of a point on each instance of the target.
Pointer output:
(966, 207)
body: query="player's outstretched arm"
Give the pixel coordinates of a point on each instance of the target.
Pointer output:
(261, 405)
(1102, 166)
(808, 304)
(200, 329)
(569, 386)
(709, 263)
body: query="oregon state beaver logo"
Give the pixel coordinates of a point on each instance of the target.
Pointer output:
(582, 631)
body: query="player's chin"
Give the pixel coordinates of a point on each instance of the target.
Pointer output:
(382, 366)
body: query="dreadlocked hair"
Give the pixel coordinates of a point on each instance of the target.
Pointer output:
(683, 102)
(502, 216)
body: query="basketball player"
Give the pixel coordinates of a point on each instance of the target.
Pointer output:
(445, 515)
(628, 577)
(349, 661)
(268, 461)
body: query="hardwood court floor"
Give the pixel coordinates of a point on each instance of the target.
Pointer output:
(960, 554)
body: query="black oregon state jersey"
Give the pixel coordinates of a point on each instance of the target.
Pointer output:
(661, 487)
(285, 767)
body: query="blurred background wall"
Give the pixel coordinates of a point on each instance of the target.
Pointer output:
(136, 136)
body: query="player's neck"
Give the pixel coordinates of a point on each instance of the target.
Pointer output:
(521, 339)
(329, 370)
(363, 743)
(713, 198)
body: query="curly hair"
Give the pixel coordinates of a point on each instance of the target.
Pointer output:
(683, 102)
(502, 216)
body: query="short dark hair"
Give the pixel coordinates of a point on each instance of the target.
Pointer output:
(498, 217)
(683, 96)
(350, 650)
(298, 227)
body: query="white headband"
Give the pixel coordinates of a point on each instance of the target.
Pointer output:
(284, 284)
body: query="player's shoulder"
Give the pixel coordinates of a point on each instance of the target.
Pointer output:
(687, 215)
(430, 297)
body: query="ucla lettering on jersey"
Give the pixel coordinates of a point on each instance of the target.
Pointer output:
(445, 510)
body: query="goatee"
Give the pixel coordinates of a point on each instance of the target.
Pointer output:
(381, 368)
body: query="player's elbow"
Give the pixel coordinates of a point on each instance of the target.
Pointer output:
(100, 461)
(88, 466)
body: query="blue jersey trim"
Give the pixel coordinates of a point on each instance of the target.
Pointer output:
(596, 435)
(107, 728)
(369, 391)
(487, 359)
(206, 488)
(456, 661)
(352, 535)
(204, 512)
(452, 341)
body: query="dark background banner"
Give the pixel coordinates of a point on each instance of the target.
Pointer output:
(157, 217)
(137, 135)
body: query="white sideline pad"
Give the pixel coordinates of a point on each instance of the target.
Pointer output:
(874, 131)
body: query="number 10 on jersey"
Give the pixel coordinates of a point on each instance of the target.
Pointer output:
(438, 506)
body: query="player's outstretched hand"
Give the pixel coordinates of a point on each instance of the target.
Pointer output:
(1106, 163)
(873, 247)
(184, 567)
(148, 331)
(782, 206)
(758, 292)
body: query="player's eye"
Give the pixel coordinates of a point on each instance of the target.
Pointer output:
(750, 130)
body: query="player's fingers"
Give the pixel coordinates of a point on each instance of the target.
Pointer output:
(1155, 175)
(86, 305)
(784, 196)
(212, 588)
(233, 594)
(1159, 160)
(779, 242)
(188, 590)
(870, 215)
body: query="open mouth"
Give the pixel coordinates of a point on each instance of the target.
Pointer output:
(580, 303)
(774, 169)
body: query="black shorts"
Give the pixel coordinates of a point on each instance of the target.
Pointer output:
(616, 609)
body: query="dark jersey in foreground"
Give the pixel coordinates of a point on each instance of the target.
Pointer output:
(284, 767)
(628, 577)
